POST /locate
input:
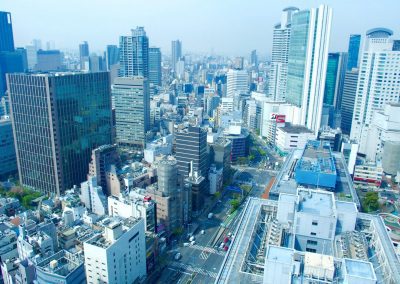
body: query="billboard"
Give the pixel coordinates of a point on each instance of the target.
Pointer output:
(279, 118)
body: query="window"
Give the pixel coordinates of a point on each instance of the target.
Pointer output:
(311, 250)
(315, 223)
(310, 242)
(313, 234)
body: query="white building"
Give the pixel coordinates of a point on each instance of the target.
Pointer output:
(237, 82)
(162, 146)
(93, 197)
(226, 104)
(8, 244)
(378, 83)
(307, 63)
(385, 127)
(215, 178)
(118, 255)
(135, 204)
(280, 53)
(292, 137)
(369, 174)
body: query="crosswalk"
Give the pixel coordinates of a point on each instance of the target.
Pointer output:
(207, 250)
(186, 267)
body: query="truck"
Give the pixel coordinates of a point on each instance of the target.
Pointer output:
(210, 215)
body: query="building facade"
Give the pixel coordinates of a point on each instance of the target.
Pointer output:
(8, 160)
(378, 82)
(176, 52)
(155, 66)
(280, 54)
(348, 99)
(134, 54)
(307, 62)
(132, 110)
(353, 51)
(58, 119)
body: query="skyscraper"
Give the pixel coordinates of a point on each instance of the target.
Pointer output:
(84, 55)
(348, 98)
(176, 49)
(10, 60)
(237, 82)
(155, 66)
(112, 56)
(132, 110)
(8, 161)
(58, 119)
(308, 57)
(191, 147)
(353, 51)
(335, 71)
(254, 58)
(134, 54)
(6, 32)
(280, 53)
(378, 82)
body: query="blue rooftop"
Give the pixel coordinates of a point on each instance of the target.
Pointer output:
(359, 268)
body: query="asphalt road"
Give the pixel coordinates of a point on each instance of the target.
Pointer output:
(201, 262)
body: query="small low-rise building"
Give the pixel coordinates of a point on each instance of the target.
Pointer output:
(368, 174)
(292, 137)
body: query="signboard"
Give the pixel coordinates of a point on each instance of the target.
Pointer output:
(279, 118)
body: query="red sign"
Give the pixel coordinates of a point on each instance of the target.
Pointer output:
(280, 118)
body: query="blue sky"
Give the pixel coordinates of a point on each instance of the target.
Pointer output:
(227, 27)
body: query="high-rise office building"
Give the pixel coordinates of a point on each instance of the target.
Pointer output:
(155, 66)
(176, 52)
(348, 98)
(112, 56)
(335, 72)
(280, 53)
(191, 149)
(31, 54)
(96, 63)
(378, 82)
(396, 45)
(132, 110)
(84, 54)
(49, 60)
(353, 51)
(237, 82)
(10, 60)
(307, 61)
(134, 54)
(8, 160)
(254, 58)
(6, 32)
(58, 119)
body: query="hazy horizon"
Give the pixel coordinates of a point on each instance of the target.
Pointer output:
(223, 27)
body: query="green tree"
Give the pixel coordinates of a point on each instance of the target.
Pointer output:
(235, 204)
(370, 202)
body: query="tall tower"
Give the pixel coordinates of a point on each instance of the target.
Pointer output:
(307, 62)
(84, 55)
(176, 49)
(335, 73)
(378, 82)
(191, 149)
(134, 54)
(280, 53)
(348, 98)
(155, 66)
(353, 51)
(237, 81)
(132, 110)
(58, 119)
(6, 32)
(112, 56)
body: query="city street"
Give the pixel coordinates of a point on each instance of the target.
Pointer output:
(201, 262)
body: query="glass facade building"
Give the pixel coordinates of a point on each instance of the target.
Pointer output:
(353, 51)
(132, 110)
(8, 160)
(331, 78)
(58, 119)
(134, 54)
(155, 66)
(6, 32)
(297, 57)
(112, 56)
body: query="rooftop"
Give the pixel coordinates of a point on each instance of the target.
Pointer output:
(359, 268)
(61, 263)
(316, 202)
(295, 129)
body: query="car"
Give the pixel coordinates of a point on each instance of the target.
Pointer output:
(186, 244)
(202, 232)
(192, 243)
(178, 256)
